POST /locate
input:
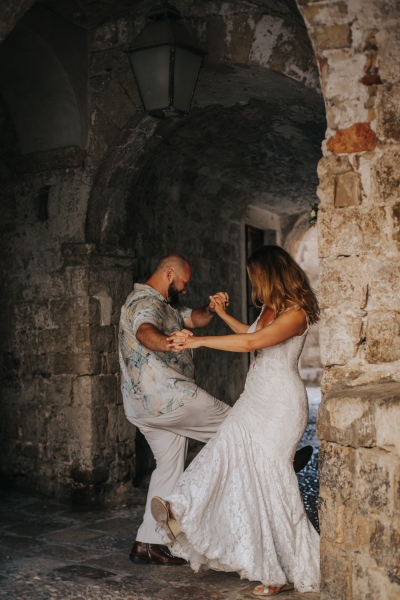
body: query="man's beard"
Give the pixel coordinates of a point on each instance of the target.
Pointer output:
(173, 294)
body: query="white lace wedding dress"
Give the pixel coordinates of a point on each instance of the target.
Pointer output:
(238, 503)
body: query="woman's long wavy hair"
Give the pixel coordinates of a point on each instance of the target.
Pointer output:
(278, 282)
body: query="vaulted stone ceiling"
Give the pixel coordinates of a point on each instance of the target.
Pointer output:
(89, 14)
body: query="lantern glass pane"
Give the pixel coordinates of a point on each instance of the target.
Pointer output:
(187, 66)
(151, 67)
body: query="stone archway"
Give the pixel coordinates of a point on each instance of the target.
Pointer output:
(188, 189)
(357, 47)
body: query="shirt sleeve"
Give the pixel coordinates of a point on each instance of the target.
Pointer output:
(185, 312)
(146, 311)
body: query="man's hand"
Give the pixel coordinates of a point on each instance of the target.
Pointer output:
(219, 302)
(176, 341)
(218, 299)
(200, 317)
(153, 339)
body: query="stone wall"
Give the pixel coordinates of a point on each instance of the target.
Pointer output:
(64, 431)
(357, 46)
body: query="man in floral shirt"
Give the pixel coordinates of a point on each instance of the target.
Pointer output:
(159, 391)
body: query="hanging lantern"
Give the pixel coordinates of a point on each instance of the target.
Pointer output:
(166, 61)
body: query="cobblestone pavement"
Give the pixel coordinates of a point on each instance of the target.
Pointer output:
(50, 551)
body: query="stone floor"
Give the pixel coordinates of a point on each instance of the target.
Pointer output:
(50, 551)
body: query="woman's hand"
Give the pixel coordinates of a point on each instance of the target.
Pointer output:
(219, 302)
(182, 340)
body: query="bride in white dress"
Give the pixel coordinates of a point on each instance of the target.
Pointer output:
(238, 507)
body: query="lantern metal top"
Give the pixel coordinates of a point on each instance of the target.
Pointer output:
(164, 29)
(164, 10)
(166, 60)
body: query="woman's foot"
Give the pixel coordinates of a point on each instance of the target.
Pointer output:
(162, 513)
(272, 590)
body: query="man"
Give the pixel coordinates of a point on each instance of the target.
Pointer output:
(159, 391)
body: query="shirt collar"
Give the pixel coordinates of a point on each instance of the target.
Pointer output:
(150, 290)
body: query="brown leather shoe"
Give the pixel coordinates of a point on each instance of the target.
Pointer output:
(144, 554)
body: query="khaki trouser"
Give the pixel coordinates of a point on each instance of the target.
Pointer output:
(167, 435)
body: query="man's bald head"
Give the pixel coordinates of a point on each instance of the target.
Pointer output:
(173, 261)
(171, 277)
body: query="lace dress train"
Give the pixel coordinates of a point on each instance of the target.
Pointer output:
(238, 504)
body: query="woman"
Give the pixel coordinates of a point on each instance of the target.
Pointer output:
(238, 507)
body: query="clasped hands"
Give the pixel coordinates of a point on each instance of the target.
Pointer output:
(184, 339)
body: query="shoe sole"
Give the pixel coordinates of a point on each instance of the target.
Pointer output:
(139, 561)
(142, 561)
(160, 512)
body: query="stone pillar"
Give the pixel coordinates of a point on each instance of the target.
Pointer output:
(107, 473)
(64, 428)
(358, 49)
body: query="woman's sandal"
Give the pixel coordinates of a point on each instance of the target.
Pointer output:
(265, 589)
(161, 512)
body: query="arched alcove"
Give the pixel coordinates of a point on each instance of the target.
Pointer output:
(190, 191)
(43, 81)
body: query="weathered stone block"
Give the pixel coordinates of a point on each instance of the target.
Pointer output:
(112, 362)
(348, 190)
(332, 165)
(82, 391)
(352, 416)
(395, 219)
(70, 311)
(385, 548)
(388, 426)
(353, 230)
(385, 176)
(75, 364)
(95, 338)
(241, 38)
(340, 336)
(104, 390)
(338, 285)
(389, 51)
(335, 560)
(128, 83)
(337, 467)
(359, 372)
(332, 519)
(99, 420)
(48, 160)
(332, 36)
(55, 339)
(348, 417)
(357, 138)
(318, 14)
(357, 531)
(55, 391)
(384, 284)
(383, 336)
(370, 581)
(388, 110)
(397, 490)
(326, 191)
(106, 61)
(214, 39)
(374, 482)
(76, 281)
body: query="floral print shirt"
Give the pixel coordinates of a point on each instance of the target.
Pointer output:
(152, 383)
